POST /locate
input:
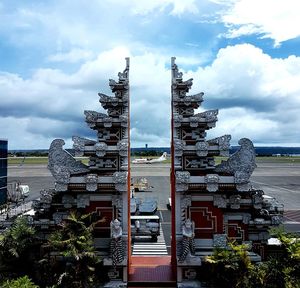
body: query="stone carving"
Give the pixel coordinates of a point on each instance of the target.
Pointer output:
(220, 240)
(177, 120)
(105, 99)
(209, 116)
(212, 181)
(257, 199)
(120, 180)
(83, 201)
(182, 180)
(62, 164)
(176, 74)
(58, 217)
(186, 202)
(91, 117)
(124, 120)
(68, 201)
(243, 187)
(241, 164)
(79, 144)
(187, 100)
(248, 244)
(224, 144)
(246, 218)
(61, 186)
(277, 219)
(117, 249)
(123, 76)
(179, 147)
(220, 201)
(188, 242)
(46, 196)
(100, 148)
(190, 274)
(91, 181)
(272, 204)
(123, 147)
(235, 201)
(117, 201)
(194, 121)
(202, 148)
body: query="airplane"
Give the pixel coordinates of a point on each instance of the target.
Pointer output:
(162, 158)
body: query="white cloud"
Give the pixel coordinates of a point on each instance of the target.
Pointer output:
(276, 19)
(258, 97)
(176, 7)
(73, 56)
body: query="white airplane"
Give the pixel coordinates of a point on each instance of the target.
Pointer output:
(162, 158)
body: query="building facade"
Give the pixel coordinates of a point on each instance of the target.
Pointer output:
(3, 171)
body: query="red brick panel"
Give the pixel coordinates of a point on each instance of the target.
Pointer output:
(208, 219)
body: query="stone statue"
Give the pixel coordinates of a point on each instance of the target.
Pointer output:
(188, 242)
(241, 164)
(117, 248)
(62, 164)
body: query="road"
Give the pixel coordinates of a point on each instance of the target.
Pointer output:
(281, 180)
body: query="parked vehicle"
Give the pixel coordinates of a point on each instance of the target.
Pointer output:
(140, 184)
(147, 206)
(17, 191)
(143, 225)
(169, 204)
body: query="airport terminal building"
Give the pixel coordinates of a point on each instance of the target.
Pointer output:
(3, 171)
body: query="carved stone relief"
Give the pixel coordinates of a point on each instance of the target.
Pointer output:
(202, 148)
(235, 201)
(68, 201)
(220, 201)
(83, 201)
(123, 147)
(100, 149)
(120, 180)
(91, 181)
(182, 180)
(220, 240)
(212, 181)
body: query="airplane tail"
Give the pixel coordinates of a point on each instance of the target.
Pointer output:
(163, 156)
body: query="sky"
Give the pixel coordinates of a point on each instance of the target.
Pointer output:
(55, 56)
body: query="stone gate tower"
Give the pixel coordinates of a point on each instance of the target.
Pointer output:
(102, 185)
(211, 203)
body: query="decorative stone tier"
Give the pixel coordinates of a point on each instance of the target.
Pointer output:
(205, 120)
(97, 120)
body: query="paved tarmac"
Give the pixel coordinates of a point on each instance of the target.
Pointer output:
(280, 180)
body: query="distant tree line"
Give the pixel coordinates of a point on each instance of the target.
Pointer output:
(146, 153)
(157, 151)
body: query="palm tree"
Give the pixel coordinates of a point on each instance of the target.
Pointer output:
(22, 282)
(230, 266)
(75, 242)
(15, 244)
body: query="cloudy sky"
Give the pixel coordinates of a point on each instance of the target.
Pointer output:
(55, 56)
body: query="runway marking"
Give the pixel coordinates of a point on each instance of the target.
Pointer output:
(292, 215)
(161, 216)
(275, 186)
(151, 248)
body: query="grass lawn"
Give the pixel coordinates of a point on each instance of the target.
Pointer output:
(35, 160)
